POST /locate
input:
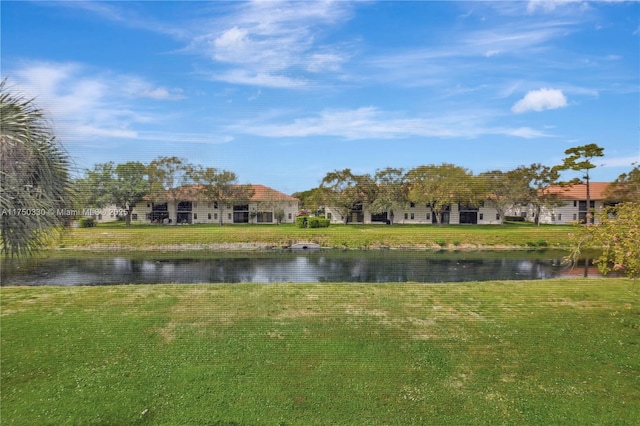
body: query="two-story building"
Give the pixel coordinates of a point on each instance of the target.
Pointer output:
(573, 206)
(189, 205)
(413, 213)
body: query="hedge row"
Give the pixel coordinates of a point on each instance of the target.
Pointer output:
(514, 219)
(304, 221)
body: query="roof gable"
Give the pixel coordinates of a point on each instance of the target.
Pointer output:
(261, 193)
(597, 191)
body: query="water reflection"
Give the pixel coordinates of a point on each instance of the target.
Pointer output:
(383, 266)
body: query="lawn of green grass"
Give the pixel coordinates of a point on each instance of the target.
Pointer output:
(336, 236)
(543, 352)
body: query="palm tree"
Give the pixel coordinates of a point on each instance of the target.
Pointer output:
(34, 178)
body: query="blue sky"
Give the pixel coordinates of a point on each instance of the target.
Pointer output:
(283, 92)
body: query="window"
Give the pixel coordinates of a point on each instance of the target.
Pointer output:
(185, 206)
(497, 216)
(229, 216)
(289, 216)
(575, 203)
(328, 216)
(195, 216)
(215, 216)
(209, 216)
(553, 217)
(412, 216)
(413, 205)
(560, 217)
(428, 216)
(406, 216)
(264, 217)
(575, 216)
(481, 216)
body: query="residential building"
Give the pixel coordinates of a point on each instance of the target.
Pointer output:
(190, 206)
(573, 204)
(485, 214)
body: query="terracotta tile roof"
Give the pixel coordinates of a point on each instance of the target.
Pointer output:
(261, 193)
(579, 191)
(264, 193)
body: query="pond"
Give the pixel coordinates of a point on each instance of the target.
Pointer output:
(283, 266)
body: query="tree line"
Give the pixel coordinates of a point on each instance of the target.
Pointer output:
(439, 185)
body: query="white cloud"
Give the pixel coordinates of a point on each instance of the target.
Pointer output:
(540, 100)
(552, 5)
(527, 133)
(161, 93)
(620, 161)
(89, 104)
(372, 123)
(264, 43)
(240, 76)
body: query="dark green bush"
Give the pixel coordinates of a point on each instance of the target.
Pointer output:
(537, 243)
(301, 221)
(304, 221)
(86, 222)
(514, 219)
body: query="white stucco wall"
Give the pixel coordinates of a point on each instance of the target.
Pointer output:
(422, 215)
(206, 212)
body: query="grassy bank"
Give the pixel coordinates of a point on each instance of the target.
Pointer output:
(545, 352)
(337, 236)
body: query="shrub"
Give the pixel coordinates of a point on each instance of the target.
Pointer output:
(301, 221)
(537, 243)
(514, 219)
(304, 221)
(86, 222)
(617, 235)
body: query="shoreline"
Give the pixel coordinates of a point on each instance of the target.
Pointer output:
(266, 247)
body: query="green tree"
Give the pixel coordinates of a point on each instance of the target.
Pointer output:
(167, 179)
(124, 185)
(617, 235)
(504, 190)
(392, 192)
(34, 178)
(579, 159)
(347, 192)
(626, 187)
(438, 186)
(310, 200)
(534, 189)
(220, 187)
